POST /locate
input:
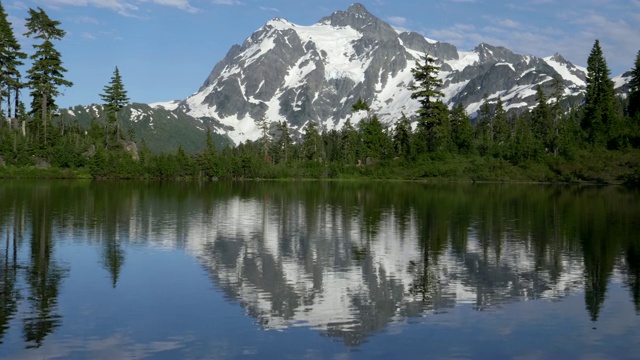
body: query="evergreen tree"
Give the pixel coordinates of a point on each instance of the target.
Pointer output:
(265, 138)
(600, 119)
(360, 105)
(115, 98)
(10, 61)
(500, 126)
(373, 137)
(557, 116)
(426, 87)
(312, 145)
(350, 144)
(282, 146)
(402, 137)
(634, 96)
(542, 120)
(46, 73)
(461, 129)
(484, 126)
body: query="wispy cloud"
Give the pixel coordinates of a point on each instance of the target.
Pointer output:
(265, 8)
(122, 7)
(88, 36)
(180, 4)
(86, 20)
(226, 2)
(397, 20)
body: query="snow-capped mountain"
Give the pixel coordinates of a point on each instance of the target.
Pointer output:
(295, 73)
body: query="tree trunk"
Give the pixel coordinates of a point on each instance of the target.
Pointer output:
(16, 100)
(8, 102)
(44, 115)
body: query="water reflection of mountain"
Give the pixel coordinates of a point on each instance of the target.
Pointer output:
(352, 262)
(350, 258)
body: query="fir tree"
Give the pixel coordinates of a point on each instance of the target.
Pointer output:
(373, 137)
(434, 130)
(426, 87)
(115, 98)
(600, 119)
(350, 143)
(484, 126)
(10, 61)
(542, 120)
(402, 137)
(46, 73)
(360, 105)
(312, 145)
(461, 129)
(634, 96)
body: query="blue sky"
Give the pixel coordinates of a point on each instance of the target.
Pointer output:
(165, 49)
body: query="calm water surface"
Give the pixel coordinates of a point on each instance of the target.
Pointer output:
(317, 270)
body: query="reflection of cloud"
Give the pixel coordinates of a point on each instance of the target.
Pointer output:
(117, 346)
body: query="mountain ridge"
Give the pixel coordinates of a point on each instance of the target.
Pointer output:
(301, 73)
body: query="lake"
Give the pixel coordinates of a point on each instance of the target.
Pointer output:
(317, 270)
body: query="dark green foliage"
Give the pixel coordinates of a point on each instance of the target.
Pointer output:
(360, 105)
(115, 98)
(426, 87)
(402, 138)
(374, 140)
(461, 129)
(634, 85)
(46, 73)
(11, 58)
(312, 145)
(600, 122)
(545, 144)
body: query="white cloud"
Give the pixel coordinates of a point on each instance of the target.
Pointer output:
(86, 20)
(88, 36)
(122, 7)
(397, 20)
(180, 4)
(265, 8)
(226, 2)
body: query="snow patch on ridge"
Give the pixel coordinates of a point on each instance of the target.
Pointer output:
(565, 72)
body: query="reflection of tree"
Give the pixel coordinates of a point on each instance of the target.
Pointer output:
(9, 294)
(112, 259)
(632, 256)
(44, 278)
(599, 258)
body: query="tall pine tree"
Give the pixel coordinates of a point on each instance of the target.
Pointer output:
(46, 73)
(433, 123)
(634, 84)
(600, 121)
(115, 98)
(10, 61)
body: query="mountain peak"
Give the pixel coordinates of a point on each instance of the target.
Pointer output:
(360, 19)
(559, 58)
(358, 9)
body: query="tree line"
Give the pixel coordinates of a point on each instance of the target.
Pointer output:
(595, 141)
